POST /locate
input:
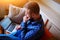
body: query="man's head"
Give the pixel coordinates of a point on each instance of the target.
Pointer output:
(32, 10)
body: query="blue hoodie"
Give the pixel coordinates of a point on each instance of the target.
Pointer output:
(31, 30)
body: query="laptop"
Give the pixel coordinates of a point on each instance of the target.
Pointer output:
(8, 25)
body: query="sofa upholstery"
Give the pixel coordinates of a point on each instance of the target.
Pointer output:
(16, 14)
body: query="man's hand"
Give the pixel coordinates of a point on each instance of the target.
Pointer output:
(26, 18)
(18, 27)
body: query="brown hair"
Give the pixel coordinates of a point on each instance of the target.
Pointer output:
(33, 7)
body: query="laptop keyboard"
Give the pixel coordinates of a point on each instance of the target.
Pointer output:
(11, 27)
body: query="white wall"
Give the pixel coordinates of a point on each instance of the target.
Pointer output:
(55, 6)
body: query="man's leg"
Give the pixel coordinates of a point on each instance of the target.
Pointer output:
(8, 37)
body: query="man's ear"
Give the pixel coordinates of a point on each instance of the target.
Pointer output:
(33, 14)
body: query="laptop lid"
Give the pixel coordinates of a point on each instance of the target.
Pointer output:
(5, 23)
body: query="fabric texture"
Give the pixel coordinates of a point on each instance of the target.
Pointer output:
(16, 14)
(32, 30)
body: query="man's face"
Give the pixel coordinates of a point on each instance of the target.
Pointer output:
(30, 15)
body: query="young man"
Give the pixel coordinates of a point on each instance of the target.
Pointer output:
(32, 25)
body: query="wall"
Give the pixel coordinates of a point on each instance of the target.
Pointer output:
(58, 1)
(54, 5)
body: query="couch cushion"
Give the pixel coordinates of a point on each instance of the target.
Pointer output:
(16, 14)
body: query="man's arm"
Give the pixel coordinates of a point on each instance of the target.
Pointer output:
(33, 33)
(23, 23)
(21, 26)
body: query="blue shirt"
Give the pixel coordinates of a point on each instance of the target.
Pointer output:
(32, 30)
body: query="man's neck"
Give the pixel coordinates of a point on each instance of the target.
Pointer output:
(38, 18)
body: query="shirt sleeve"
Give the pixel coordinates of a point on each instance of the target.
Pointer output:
(34, 27)
(23, 25)
(31, 34)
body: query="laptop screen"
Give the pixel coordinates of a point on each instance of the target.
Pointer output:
(5, 23)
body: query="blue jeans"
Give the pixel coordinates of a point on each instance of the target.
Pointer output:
(20, 34)
(8, 37)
